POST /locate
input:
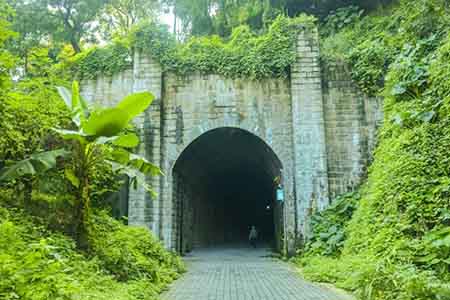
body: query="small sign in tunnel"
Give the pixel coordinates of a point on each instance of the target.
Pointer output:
(225, 182)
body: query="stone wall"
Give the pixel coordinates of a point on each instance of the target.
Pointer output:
(351, 122)
(317, 123)
(196, 104)
(310, 146)
(146, 75)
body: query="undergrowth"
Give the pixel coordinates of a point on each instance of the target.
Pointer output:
(328, 227)
(397, 242)
(39, 264)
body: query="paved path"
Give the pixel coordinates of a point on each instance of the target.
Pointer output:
(243, 274)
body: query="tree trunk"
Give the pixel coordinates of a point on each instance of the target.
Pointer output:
(28, 190)
(81, 221)
(25, 67)
(75, 45)
(175, 20)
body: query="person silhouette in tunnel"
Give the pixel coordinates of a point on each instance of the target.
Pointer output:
(253, 236)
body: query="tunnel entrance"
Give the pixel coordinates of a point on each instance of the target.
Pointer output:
(223, 183)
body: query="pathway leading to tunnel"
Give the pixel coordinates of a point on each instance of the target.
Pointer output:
(244, 274)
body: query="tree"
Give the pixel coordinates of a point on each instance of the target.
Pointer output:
(200, 17)
(195, 15)
(6, 59)
(56, 21)
(119, 16)
(74, 18)
(33, 27)
(321, 8)
(257, 14)
(100, 136)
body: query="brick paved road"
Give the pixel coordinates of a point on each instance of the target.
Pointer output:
(243, 274)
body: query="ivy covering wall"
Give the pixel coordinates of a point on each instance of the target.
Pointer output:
(244, 54)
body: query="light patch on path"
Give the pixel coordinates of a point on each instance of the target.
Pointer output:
(243, 274)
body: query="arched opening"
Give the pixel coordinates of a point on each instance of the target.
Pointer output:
(223, 183)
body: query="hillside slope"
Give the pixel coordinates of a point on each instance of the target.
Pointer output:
(396, 244)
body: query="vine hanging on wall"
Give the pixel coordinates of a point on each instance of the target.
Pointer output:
(243, 54)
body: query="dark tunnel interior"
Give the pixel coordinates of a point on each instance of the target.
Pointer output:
(224, 184)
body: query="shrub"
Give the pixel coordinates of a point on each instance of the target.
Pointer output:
(37, 264)
(328, 226)
(132, 252)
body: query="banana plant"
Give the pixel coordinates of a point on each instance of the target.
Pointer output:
(98, 136)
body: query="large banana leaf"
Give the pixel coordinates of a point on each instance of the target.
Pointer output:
(136, 104)
(135, 166)
(36, 163)
(129, 140)
(137, 162)
(75, 103)
(66, 96)
(135, 176)
(120, 156)
(72, 135)
(144, 166)
(108, 122)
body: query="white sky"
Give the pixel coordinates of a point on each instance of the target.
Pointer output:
(167, 18)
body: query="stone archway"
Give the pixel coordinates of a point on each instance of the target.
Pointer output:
(223, 182)
(317, 122)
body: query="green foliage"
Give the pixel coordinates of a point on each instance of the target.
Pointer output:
(40, 21)
(197, 18)
(34, 164)
(6, 59)
(371, 60)
(37, 264)
(72, 18)
(101, 137)
(29, 111)
(342, 17)
(373, 44)
(372, 277)
(323, 8)
(120, 16)
(131, 253)
(154, 39)
(328, 226)
(245, 54)
(94, 61)
(397, 242)
(38, 260)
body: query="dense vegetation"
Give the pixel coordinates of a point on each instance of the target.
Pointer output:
(57, 237)
(53, 30)
(244, 54)
(40, 264)
(390, 240)
(396, 244)
(42, 254)
(200, 17)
